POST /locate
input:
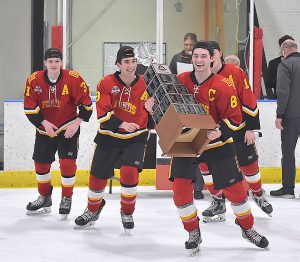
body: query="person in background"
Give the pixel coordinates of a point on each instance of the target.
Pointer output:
(272, 68)
(183, 57)
(219, 99)
(52, 98)
(244, 141)
(288, 115)
(232, 59)
(123, 111)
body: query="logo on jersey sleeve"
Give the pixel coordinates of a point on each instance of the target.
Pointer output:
(115, 90)
(38, 90)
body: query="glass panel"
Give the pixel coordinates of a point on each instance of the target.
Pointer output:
(95, 23)
(224, 21)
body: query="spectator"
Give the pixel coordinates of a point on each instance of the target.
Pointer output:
(272, 69)
(288, 115)
(232, 59)
(185, 56)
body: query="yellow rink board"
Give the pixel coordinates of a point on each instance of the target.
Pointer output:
(27, 178)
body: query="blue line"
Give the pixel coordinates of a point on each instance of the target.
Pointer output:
(13, 100)
(266, 100)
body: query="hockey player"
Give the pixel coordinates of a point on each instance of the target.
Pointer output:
(51, 100)
(122, 109)
(219, 99)
(244, 141)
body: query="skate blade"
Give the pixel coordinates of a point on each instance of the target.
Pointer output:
(270, 215)
(42, 211)
(63, 217)
(216, 218)
(128, 232)
(87, 226)
(194, 251)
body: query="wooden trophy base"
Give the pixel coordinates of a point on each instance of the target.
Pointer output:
(183, 135)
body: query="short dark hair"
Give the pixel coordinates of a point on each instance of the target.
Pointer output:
(191, 36)
(215, 45)
(204, 45)
(283, 38)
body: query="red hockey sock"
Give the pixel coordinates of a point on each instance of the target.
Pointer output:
(237, 195)
(43, 178)
(253, 177)
(68, 169)
(95, 192)
(129, 181)
(183, 199)
(208, 180)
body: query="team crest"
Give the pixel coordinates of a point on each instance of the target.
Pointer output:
(38, 90)
(115, 90)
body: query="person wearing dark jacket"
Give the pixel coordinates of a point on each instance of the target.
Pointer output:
(288, 115)
(185, 55)
(272, 69)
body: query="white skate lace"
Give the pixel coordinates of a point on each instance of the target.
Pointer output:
(213, 205)
(262, 202)
(39, 201)
(253, 235)
(194, 236)
(65, 202)
(87, 215)
(126, 218)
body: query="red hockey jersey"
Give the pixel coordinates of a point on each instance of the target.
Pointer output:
(117, 103)
(56, 102)
(219, 100)
(247, 99)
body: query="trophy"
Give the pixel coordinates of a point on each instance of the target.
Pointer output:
(181, 123)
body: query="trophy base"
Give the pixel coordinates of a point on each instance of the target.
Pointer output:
(183, 135)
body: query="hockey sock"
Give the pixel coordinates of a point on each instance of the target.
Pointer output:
(253, 177)
(183, 199)
(95, 192)
(43, 178)
(208, 180)
(237, 195)
(68, 169)
(129, 180)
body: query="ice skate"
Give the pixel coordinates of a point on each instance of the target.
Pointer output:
(128, 224)
(65, 207)
(254, 237)
(40, 206)
(263, 204)
(194, 241)
(216, 211)
(88, 218)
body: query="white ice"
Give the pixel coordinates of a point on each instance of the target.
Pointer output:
(158, 233)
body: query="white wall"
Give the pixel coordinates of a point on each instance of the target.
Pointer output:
(19, 139)
(126, 21)
(15, 52)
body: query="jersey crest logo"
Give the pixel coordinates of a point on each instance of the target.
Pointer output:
(115, 90)
(38, 90)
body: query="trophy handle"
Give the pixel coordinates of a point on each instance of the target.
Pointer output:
(144, 53)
